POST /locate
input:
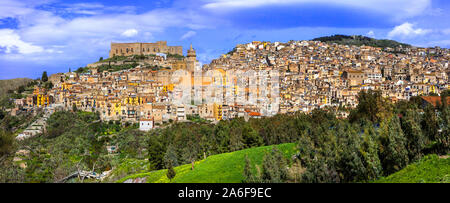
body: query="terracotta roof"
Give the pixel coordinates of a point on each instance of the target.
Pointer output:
(255, 114)
(433, 99)
(146, 119)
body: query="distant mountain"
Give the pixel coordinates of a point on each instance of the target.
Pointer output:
(359, 40)
(12, 84)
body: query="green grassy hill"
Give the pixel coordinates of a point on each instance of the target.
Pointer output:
(12, 84)
(430, 169)
(221, 168)
(359, 40)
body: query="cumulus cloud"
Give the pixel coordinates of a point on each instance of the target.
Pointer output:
(130, 33)
(407, 30)
(11, 42)
(188, 35)
(371, 33)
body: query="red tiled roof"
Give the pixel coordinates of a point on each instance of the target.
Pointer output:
(254, 114)
(434, 99)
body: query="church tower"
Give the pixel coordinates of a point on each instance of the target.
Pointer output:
(191, 59)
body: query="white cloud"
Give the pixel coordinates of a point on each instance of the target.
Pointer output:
(188, 34)
(446, 31)
(11, 42)
(371, 33)
(406, 30)
(130, 33)
(398, 8)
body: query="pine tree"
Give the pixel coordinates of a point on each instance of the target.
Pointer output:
(274, 167)
(413, 133)
(394, 155)
(156, 153)
(44, 77)
(170, 157)
(370, 154)
(248, 176)
(430, 123)
(170, 171)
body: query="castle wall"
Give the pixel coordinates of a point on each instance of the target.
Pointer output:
(128, 49)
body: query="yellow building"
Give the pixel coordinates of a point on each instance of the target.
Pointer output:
(218, 112)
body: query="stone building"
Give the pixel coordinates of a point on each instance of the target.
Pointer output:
(191, 60)
(129, 49)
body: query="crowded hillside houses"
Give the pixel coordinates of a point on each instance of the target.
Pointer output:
(301, 75)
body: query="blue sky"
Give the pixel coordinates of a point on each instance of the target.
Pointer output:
(56, 35)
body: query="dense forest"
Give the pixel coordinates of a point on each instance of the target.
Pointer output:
(359, 40)
(377, 139)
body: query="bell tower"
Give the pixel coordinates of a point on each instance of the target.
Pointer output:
(191, 59)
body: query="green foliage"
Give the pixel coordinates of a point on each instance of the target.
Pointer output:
(413, 132)
(156, 153)
(6, 143)
(115, 68)
(220, 168)
(274, 167)
(393, 152)
(359, 40)
(170, 157)
(429, 169)
(430, 124)
(48, 85)
(176, 56)
(371, 106)
(170, 171)
(248, 176)
(59, 123)
(82, 70)
(13, 84)
(44, 77)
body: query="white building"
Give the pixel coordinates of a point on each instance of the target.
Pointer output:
(145, 124)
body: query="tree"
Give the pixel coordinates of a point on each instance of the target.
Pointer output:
(369, 148)
(74, 108)
(274, 167)
(48, 85)
(248, 175)
(6, 143)
(430, 123)
(156, 153)
(372, 106)
(413, 133)
(21, 89)
(170, 172)
(101, 59)
(170, 157)
(44, 77)
(393, 152)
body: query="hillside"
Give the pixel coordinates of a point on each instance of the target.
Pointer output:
(12, 84)
(221, 168)
(430, 169)
(359, 40)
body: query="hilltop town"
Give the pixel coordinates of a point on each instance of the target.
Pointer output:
(136, 83)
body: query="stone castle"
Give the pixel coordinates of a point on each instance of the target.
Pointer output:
(129, 49)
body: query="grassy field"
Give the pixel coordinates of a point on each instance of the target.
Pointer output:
(221, 168)
(430, 169)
